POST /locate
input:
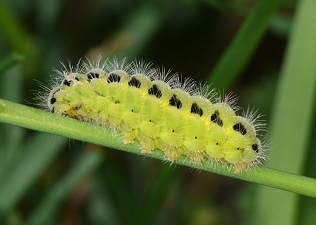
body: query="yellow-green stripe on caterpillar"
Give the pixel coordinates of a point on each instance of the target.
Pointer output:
(153, 107)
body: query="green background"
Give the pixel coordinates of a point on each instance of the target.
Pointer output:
(263, 51)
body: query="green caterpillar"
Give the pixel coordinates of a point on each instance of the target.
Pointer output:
(155, 108)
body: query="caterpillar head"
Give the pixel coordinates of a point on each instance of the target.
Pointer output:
(242, 148)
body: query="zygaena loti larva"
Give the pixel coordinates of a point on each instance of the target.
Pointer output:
(155, 108)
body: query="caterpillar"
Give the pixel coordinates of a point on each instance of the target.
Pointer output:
(152, 106)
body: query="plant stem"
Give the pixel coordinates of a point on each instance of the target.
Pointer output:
(39, 120)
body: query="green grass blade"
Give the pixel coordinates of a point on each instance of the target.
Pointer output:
(46, 210)
(11, 136)
(306, 214)
(10, 61)
(21, 173)
(18, 37)
(142, 25)
(155, 198)
(47, 122)
(118, 186)
(293, 115)
(237, 56)
(100, 208)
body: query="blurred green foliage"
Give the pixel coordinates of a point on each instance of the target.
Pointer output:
(46, 179)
